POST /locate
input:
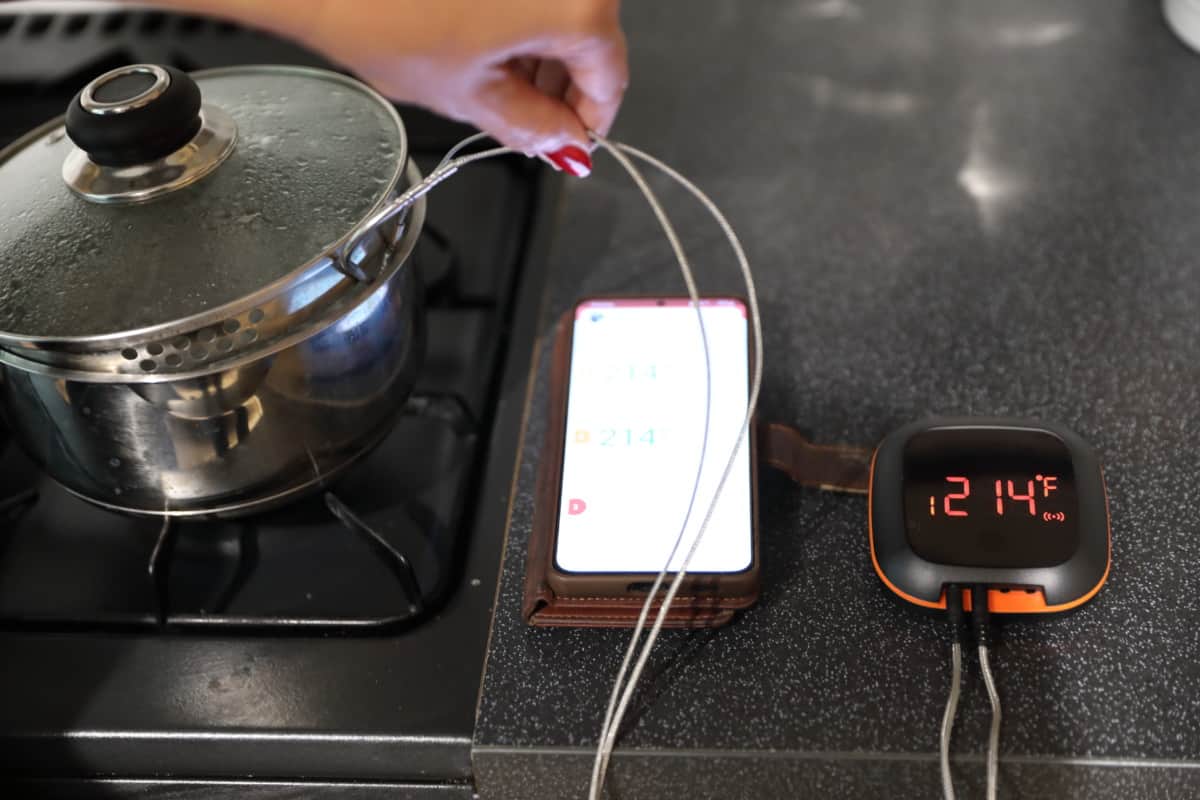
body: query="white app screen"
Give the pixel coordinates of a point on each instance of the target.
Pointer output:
(635, 426)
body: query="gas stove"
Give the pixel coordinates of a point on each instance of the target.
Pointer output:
(334, 645)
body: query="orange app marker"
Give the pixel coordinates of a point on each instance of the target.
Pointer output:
(582, 436)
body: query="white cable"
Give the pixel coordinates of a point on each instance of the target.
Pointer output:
(448, 166)
(756, 381)
(993, 751)
(613, 722)
(601, 762)
(458, 148)
(948, 719)
(445, 169)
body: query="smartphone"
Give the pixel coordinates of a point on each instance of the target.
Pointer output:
(633, 440)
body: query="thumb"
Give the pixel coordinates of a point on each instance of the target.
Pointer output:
(512, 110)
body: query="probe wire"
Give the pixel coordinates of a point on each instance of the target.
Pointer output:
(600, 765)
(458, 148)
(993, 751)
(612, 720)
(948, 718)
(980, 616)
(450, 164)
(954, 614)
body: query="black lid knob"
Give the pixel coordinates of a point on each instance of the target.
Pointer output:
(134, 115)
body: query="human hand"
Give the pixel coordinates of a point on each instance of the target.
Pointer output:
(535, 74)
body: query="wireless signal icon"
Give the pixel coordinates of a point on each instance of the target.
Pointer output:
(1054, 517)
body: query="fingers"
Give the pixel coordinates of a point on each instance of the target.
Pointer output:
(599, 70)
(525, 66)
(551, 78)
(597, 89)
(520, 116)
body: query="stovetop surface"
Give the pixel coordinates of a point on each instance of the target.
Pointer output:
(288, 644)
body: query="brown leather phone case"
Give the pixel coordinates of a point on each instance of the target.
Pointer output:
(557, 598)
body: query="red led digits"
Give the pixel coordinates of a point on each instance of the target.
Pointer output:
(1005, 490)
(963, 495)
(1020, 498)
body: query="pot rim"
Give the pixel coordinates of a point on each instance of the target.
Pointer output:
(324, 260)
(397, 258)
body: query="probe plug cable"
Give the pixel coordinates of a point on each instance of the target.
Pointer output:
(981, 620)
(954, 614)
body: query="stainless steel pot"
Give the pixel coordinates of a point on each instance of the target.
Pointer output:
(182, 329)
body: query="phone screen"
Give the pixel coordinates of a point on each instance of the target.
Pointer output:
(635, 426)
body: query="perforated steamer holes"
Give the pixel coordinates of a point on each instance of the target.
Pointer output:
(190, 350)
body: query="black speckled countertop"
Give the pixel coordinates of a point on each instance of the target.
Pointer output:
(952, 208)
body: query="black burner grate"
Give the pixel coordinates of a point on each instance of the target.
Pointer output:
(364, 554)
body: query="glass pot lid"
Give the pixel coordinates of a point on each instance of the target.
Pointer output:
(165, 196)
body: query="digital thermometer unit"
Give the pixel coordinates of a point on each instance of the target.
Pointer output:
(1014, 506)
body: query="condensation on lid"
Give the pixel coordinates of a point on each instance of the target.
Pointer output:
(315, 154)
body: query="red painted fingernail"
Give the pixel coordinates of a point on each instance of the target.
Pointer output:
(572, 159)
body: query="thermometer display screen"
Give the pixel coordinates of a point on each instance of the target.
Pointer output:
(990, 497)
